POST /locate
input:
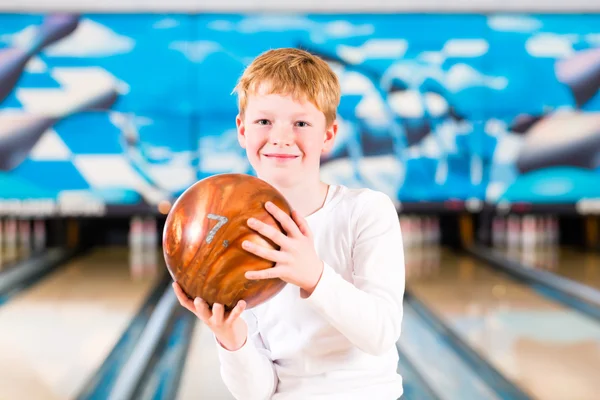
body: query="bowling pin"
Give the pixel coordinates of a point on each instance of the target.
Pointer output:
(418, 225)
(548, 230)
(541, 234)
(416, 230)
(412, 230)
(149, 233)
(425, 230)
(408, 266)
(555, 233)
(528, 232)
(436, 230)
(136, 232)
(136, 247)
(25, 236)
(406, 231)
(136, 262)
(546, 234)
(150, 262)
(581, 73)
(13, 60)
(498, 231)
(514, 231)
(528, 257)
(432, 230)
(149, 253)
(39, 234)
(410, 222)
(2, 246)
(11, 238)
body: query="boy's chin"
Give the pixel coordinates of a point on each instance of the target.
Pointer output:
(281, 178)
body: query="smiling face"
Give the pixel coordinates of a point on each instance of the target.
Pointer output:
(287, 101)
(284, 137)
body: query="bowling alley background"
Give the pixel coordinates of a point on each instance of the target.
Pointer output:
(116, 113)
(479, 118)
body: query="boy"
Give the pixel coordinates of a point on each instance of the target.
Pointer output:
(331, 332)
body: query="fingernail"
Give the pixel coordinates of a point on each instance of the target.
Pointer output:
(251, 221)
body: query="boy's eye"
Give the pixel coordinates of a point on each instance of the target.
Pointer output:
(262, 121)
(301, 124)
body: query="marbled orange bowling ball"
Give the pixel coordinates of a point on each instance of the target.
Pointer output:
(203, 235)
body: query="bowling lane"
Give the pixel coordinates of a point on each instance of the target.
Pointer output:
(428, 353)
(56, 334)
(10, 255)
(567, 262)
(201, 378)
(548, 350)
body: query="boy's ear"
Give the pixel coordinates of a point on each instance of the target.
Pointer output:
(330, 135)
(241, 130)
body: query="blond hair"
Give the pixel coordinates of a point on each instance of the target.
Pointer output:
(294, 72)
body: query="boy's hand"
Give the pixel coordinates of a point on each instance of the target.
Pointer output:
(230, 330)
(297, 261)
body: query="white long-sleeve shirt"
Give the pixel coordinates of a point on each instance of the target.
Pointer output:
(339, 343)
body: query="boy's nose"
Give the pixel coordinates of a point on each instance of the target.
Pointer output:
(281, 136)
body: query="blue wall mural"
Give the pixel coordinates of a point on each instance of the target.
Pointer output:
(129, 110)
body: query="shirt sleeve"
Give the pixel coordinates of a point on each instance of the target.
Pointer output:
(369, 310)
(248, 372)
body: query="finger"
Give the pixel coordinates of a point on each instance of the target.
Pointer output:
(179, 291)
(236, 312)
(182, 298)
(202, 310)
(301, 223)
(261, 251)
(284, 219)
(218, 312)
(268, 231)
(268, 273)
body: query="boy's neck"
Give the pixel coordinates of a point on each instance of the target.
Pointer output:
(307, 198)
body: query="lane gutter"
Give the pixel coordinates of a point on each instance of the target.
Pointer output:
(24, 274)
(504, 387)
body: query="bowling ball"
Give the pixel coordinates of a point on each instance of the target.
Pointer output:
(203, 235)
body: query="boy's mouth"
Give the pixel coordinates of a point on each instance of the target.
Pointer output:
(280, 156)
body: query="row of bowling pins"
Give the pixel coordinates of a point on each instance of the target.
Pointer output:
(22, 235)
(143, 250)
(525, 231)
(419, 230)
(143, 232)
